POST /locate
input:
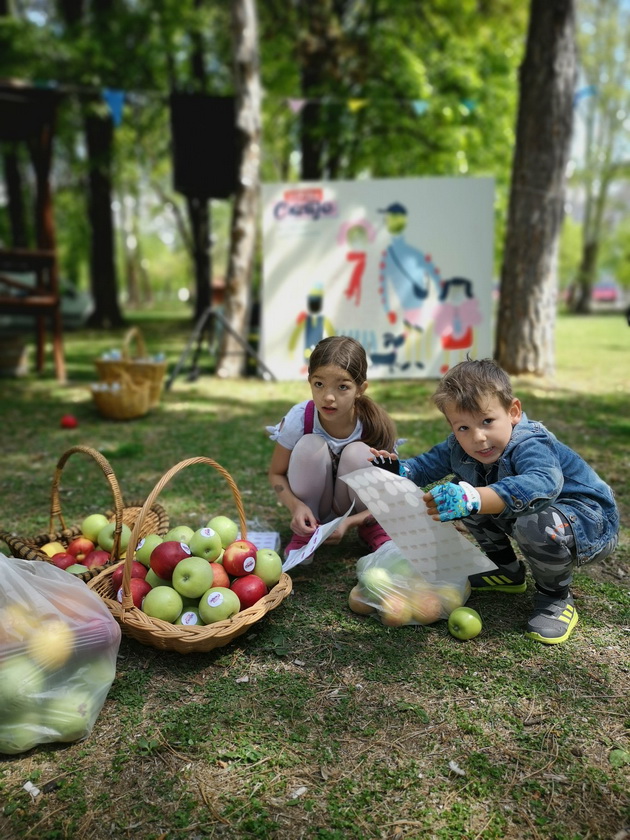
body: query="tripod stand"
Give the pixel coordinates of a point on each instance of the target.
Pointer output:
(205, 326)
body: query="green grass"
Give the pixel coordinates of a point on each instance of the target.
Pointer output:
(318, 723)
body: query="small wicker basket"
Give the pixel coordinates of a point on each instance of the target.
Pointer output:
(123, 399)
(180, 638)
(140, 367)
(155, 520)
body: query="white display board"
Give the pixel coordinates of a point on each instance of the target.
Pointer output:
(403, 265)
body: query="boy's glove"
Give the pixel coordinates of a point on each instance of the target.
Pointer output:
(392, 465)
(456, 501)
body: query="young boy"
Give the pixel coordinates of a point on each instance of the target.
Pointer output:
(510, 478)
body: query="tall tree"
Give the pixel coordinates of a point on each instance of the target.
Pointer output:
(527, 308)
(246, 200)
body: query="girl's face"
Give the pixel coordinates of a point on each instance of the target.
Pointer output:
(334, 392)
(484, 435)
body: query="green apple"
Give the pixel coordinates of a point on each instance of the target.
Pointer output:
(464, 623)
(70, 716)
(206, 543)
(99, 672)
(218, 603)
(192, 576)
(21, 681)
(156, 581)
(225, 527)
(146, 546)
(268, 566)
(180, 533)
(376, 581)
(106, 536)
(164, 603)
(190, 617)
(93, 524)
(20, 733)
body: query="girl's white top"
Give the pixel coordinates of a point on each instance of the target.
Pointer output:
(291, 429)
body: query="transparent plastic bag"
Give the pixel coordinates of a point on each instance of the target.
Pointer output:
(58, 649)
(393, 589)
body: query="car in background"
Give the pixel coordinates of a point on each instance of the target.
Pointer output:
(606, 291)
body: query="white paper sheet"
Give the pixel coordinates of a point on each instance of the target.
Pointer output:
(299, 555)
(438, 549)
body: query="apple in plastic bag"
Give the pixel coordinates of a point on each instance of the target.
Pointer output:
(395, 610)
(426, 607)
(51, 644)
(21, 681)
(358, 601)
(70, 716)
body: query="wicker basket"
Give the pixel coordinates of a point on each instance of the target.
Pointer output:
(155, 521)
(139, 366)
(180, 638)
(123, 399)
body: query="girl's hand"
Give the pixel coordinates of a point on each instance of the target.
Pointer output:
(303, 522)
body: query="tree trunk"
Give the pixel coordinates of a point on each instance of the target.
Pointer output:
(527, 308)
(17, 212)
(232, 356)
(99, 133)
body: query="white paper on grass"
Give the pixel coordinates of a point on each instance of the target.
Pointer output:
(437, 548)
(264, 539)
(299, 555)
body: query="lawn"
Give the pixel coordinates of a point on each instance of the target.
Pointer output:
(318, 723)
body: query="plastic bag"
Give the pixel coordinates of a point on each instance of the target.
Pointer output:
(58, 648)
(393, 589)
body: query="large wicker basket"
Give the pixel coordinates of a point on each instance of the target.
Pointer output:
(180, 638)
(140, 367)
(155, 519)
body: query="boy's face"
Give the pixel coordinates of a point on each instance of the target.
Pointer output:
(484, 435)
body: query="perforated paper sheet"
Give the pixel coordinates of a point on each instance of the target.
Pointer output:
(438, 549)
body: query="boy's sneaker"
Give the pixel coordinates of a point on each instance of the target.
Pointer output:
(553, 619)
(499, 580)
(296, 542)
(372, 534)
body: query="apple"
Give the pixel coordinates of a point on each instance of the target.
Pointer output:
(21, 680)
(164, 603)
(395, 610)
(268, 566)
(20, 732)
(357, 601)
(166, 556)
(239, 558)
(250, 589)
(92, 525)
(77, 569)
(426, 606)
(206, 543)
(96, 557)
(80, 547)
(154, 580)
(180, 533)
(464, 623)
(137, 571)
(97, 634)
(51, 644)
(219, 576)
(105, 537)
(138, 589)
(16, 623)
(450, 597)
(225, 527)
(62, 560)
(190, 617)
(376, 581)
(192, 576)
(218, 604)
(146, 546)
(70, 716)
(54, 547)
(97, 672)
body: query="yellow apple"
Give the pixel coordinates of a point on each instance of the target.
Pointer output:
(51, 645)
(357, 601)
(52, 548)
(16, 623)
(450, 597)
(395, 610)
(426, 606)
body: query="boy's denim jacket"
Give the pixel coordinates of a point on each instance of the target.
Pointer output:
(534, 471)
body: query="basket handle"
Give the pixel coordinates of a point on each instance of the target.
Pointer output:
(134, 334)
(106, 467)
(127, 601)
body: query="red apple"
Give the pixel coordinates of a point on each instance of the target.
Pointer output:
(138, 570)
(239, 558)
(138, 588)
(166, 556)
(96, 557)
(250, 589)
(80, 546)
(220, 576)
(62, 559)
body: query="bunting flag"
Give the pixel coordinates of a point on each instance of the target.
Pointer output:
(296, 105)
(115, 100)
(355, 105)
(420, 107)
(584, 93)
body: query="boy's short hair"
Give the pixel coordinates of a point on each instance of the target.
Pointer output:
(471, 384)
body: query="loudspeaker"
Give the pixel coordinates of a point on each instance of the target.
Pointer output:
(206, 145)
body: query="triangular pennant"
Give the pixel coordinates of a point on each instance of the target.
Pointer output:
(296, 105)
(115, 100)
(355, 105)
(420, 106)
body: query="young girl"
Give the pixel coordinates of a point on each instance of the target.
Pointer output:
(323, 439)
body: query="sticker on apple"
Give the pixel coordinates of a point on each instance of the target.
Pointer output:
(215, 599)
